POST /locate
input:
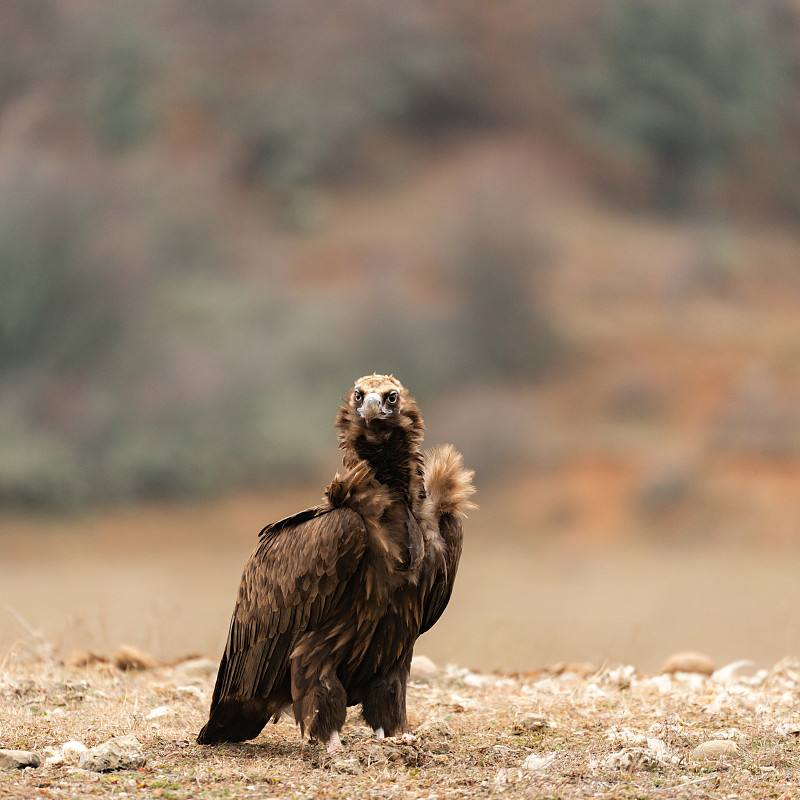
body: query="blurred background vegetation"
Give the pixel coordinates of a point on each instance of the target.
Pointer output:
(571, 228)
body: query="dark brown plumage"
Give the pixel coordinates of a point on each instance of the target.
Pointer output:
(333, 599)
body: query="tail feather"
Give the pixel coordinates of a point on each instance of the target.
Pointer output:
(448, 485)
(234, 721)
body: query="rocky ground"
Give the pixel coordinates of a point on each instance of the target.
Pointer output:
(126, 727)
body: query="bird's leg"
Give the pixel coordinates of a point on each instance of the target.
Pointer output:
(334, 743)
(320, 702)
(383, 706)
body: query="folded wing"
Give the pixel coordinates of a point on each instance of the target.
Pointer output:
(437, 598)
(295, 576)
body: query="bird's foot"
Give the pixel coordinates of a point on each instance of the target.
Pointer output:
(334, 743)
(379, 733)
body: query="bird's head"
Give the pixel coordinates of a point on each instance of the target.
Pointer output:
(375, 407)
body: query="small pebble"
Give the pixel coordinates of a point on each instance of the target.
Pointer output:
(688, 662)
(85, 659)
(129, 657)
(531, 723)
(121, 752)
(189, 693)
(583, 669)
(715, 749)
(196, 668)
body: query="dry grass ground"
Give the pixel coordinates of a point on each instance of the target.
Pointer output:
(606, 733)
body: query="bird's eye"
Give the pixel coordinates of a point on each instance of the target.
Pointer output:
(391, 397)
(358, 395)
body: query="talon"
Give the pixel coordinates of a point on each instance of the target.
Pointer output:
(334, 743)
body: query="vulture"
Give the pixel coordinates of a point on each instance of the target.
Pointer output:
(332, 599)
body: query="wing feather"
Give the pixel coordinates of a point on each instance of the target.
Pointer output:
(300, 566)
(437, 598)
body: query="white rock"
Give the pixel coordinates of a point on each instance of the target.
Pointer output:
(72, 751)
(715, 749)
(434, 729)
(653, 755)
(17, 759)
(626, 736)
(788, 668)
(547, 686)
(121, 752)
(535, 763)
(594, 692)
(688, 662)
(660, 683)
(461, 702)
(659, 752)
(788, 730)
(625, 760)
(67, 753)
(506, 776)
(729, 673)
(346, 765)
(196, 668)
(190, 692)
(423, 670)
(759, 678)
(476, 681)
(161, 711)
(621, 676)
(787, 699)
(129, 658)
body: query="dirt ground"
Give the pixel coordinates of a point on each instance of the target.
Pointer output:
(164, 578)
(610, 733)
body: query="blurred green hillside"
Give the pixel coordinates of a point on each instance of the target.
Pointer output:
(569, 227)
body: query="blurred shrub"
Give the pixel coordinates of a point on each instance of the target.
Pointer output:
(27, 29)
(55, 306)
(758, 420)
(635, 395)
(168, 457)
(335, 80)
(664, 491)
(123, 107)
(686, 83)
(36, 470)
(502, 327)
(427, 84)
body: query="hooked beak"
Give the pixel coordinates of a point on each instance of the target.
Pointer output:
(372, 408)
